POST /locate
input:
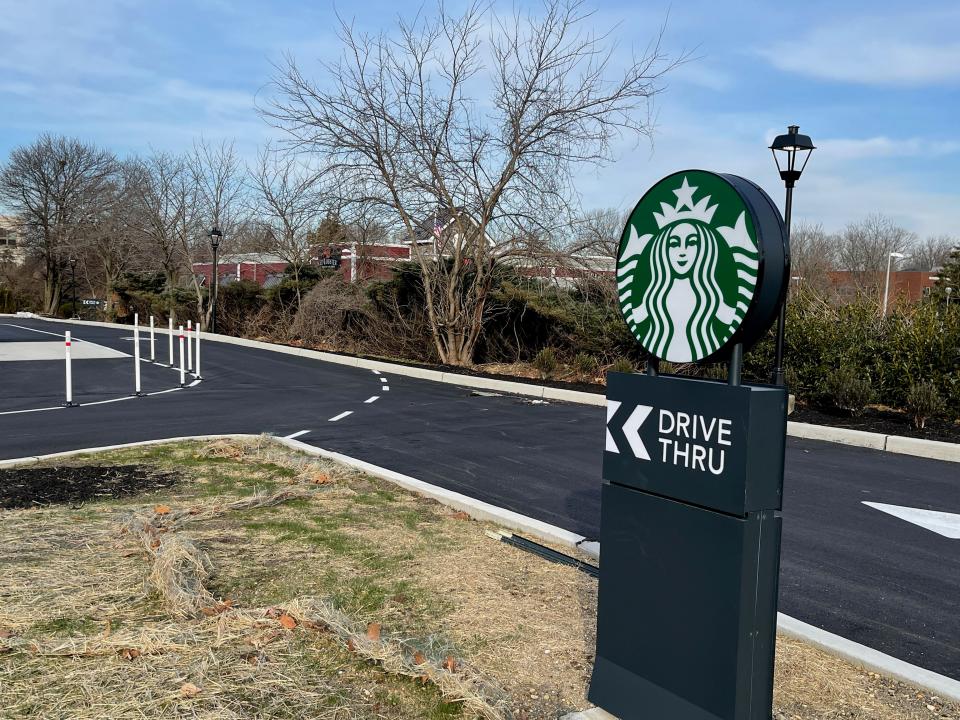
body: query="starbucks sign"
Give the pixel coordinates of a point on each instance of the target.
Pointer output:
(703, 264)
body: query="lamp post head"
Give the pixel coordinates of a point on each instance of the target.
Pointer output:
(788, 147)
(215, 237)
(898, 255)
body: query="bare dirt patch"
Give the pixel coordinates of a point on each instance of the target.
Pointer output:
(269, 584)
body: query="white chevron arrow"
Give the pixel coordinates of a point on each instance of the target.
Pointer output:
(631, 429)
(942, 523)
(612, 407)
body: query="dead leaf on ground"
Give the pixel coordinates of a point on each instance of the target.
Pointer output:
(373, 631)
(189, 690)
(129, 653)
(450, 664)
(288, 622)
(161, 509)
(419, 658)
(460, 515)
(5, 632)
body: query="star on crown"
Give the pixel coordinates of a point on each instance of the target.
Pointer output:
(701, 211)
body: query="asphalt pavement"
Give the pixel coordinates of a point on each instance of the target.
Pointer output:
(846, 568)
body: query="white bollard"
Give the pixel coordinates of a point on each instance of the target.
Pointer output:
(69, 402)
(196, 368)
(190, 345)
(153, 344)
(170, 338)
(183, 366)
(136, 355)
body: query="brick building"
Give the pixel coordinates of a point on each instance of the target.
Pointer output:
(262, 268)
(905, 285)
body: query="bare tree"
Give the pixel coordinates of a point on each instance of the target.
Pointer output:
(813, 255)
(286, 199)
(164, 211)
(464, 178)
(597, 232)
(218, 180)
(931, 252)
(53, 187)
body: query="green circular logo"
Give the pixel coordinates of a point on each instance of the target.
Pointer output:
(688, 266)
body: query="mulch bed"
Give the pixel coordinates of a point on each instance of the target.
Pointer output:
(886, 422)
(32, 487)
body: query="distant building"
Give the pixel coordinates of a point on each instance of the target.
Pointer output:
(262, 268)
(908, 285)
(11, 248)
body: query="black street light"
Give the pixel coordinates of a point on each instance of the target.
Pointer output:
(215, 237)
(73, 283)
(788, 147)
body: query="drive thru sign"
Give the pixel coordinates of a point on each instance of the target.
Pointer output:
(693, 468)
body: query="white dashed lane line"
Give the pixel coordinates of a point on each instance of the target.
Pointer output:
(341, 416)
(297, 434)
(371, 399)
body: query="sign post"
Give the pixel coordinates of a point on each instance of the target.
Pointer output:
(693, 468)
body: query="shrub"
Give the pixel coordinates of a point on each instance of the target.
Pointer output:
(584, 363)
(622, 365)
(924, 401)
(849, 389)
(546, 362)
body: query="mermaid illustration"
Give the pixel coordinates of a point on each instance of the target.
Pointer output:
(668, 282)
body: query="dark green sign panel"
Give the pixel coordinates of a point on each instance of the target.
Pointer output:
(701, 442)
(690, 548)
(703, 264)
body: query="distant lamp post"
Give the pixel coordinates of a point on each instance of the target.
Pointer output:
(791, 153)
(73, 284)
(215, 237)
(886, 287)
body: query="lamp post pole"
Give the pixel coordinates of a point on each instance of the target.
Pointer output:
(886, 285)
(215, 237)
(789, 145)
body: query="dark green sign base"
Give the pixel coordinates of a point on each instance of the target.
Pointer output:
(686, 624)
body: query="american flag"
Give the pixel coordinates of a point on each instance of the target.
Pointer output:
(437, 228)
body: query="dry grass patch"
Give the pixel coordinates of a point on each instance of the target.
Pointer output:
(269, 584)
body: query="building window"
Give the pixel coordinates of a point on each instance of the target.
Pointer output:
(7, 238)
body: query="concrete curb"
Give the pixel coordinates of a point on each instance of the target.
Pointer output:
(917, 447)
(855, 653)
(869, 658)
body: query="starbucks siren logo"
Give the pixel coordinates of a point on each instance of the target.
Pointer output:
(687, 266)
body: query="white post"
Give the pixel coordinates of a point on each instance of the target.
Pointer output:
(189, 345)
(69, 378)
(183, 366)
(136, 354)
(170, 338)
(153, 342)
(196, 367)
(886, 287)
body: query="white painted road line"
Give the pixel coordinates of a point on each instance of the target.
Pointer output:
(383, 379)
(371, 399)
(341, 416)
(297, 434)
(386, 388)
(942, 523)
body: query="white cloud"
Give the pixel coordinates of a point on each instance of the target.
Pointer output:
(840, 185)
(896, 51)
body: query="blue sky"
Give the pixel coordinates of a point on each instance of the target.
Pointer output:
(877, 86)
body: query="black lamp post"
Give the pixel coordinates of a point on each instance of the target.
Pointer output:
(788, 147)
(215, 237)
(73, 284)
